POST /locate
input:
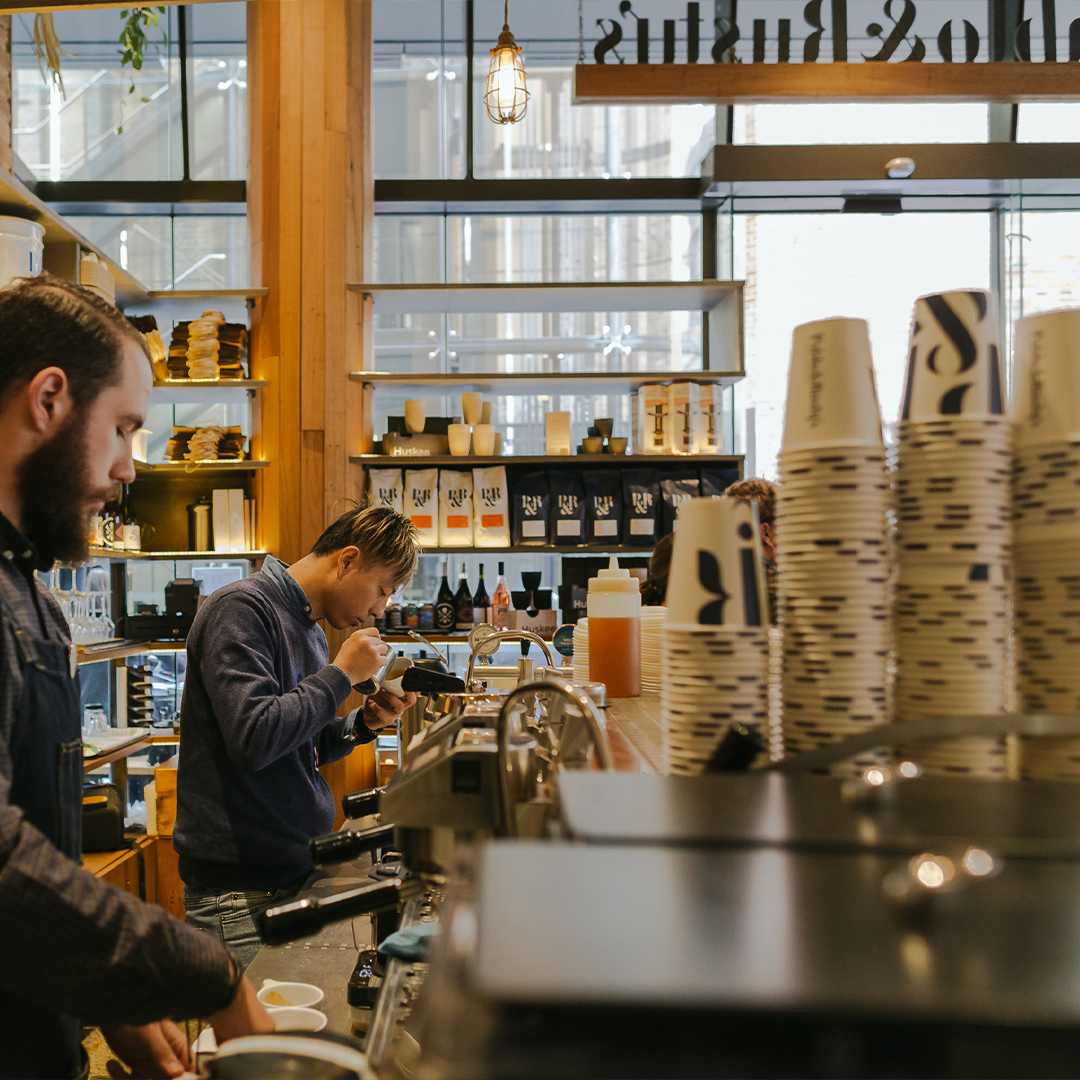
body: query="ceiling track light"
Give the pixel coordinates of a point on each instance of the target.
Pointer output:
(507, 96)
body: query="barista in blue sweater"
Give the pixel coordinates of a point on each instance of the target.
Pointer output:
(259, 717)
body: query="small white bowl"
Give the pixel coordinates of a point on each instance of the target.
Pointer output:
(300, 994)
(292, 1018)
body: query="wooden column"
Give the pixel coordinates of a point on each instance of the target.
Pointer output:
(309, 205)
(6, 154)
(310, 197)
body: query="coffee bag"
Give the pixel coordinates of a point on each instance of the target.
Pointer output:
(420, 503)
(567, 508)
(716, 479)
(603, 505)
(531, 499)
(675, 489)
(491, 518)
(385, 488)
(455, 508)
(641, 507)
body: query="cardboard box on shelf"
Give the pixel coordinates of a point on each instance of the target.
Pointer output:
(544, 623)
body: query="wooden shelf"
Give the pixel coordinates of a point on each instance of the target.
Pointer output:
(138, 741)
(174, 556)
(17, 200)
(207, 392)
(551, 383)
(554, 298)
(542, 549)
(208, 294)
(584, 461)
(120, 650)
(193, 468)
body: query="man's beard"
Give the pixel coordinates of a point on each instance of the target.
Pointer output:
(54, 489)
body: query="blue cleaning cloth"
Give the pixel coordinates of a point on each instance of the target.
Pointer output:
(413, 943)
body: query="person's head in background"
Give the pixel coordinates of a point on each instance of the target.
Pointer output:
(654, 590)
(357, 564)
(75, 382)
(764, 496)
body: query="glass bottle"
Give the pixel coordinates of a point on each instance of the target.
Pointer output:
(481, 601)
(463, 604)
(500, 602)
(445, 609)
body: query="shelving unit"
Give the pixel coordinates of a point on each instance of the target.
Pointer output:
(63, 244)
(542, 549)
(251, 293)
(120, 650)
(538, 382)
(191, 468)
(581, 461)
(203, 392)
(174, 556)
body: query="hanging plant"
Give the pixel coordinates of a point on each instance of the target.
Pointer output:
(133, 39)
(49, 50)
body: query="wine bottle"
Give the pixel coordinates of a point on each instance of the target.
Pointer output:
(500, 603)
(130, 529)
(463, 605)
(445, 610)
(481, 602)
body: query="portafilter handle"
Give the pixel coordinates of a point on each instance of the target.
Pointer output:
(361, 803)
(302, 918)
(342, 846)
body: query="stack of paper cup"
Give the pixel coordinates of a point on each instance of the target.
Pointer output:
(951, 478)
(652, 622)
(581, 651)
(1046, 520)
(832, 543)
(714, 643)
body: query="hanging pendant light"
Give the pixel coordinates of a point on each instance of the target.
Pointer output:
(506, 96)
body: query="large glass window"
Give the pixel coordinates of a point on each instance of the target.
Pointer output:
(803, 267)
(181, 252)
(99, 129)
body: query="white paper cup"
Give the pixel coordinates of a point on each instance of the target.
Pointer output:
(953, 364)
(484, 440)
(716, 576)
(471, 406)
(460, 438)
(831, 394)
(1047, 355)
(414, 416)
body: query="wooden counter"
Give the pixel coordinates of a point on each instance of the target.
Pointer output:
(635, 734)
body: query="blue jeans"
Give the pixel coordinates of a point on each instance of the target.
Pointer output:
(230, 916)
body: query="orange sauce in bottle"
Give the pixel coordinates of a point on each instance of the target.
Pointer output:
(615, 655)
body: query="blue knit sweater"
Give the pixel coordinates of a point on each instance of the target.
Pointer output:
(258, 717)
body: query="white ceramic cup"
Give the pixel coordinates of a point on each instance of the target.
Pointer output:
(498, 444)
(484, 440)
(472, 406)
(953, 359)
(296, 1018)
(1047, 377)
(831, 394)
(716, 575)
(485, 412)
(300, 994)
(460, 436)
(414, 416)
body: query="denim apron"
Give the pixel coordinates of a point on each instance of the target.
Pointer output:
(47, 780)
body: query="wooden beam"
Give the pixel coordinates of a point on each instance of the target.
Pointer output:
(32, 7)
(835, 83)
(6, 153)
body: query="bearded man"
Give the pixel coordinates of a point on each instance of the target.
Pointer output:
(75, 382)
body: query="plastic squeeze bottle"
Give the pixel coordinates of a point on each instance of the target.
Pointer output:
(614, 608)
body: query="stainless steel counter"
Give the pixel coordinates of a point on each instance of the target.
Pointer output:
(327, 959)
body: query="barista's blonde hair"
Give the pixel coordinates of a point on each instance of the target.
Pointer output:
(384, 538)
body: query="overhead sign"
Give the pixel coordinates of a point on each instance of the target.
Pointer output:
(905, 53)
